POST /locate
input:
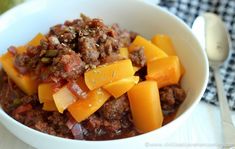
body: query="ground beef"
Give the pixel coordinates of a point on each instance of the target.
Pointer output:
(73, 47)
(115, 109)
(112, 120)
(28, 110)
(10, 95)
(90, 54)
(171, 97)
(137, 57)
(112, 58)
(68, 66)
(48, 122)
(125, 37)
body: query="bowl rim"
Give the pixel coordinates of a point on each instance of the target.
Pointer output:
(163, 128)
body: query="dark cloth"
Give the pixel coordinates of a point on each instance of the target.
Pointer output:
(188, 10)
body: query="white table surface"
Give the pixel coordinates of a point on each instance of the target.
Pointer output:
(201, 130)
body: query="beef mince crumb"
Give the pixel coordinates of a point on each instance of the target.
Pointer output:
(112, 120)
(64, 54)
(73, 47)
(171, 97)
(137, 57)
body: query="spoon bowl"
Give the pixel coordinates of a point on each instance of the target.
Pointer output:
(213, 36)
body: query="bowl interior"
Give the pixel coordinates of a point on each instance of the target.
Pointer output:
(20, 24)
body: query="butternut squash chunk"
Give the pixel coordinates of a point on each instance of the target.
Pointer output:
(120, 87)
(63, 98)
(49, 106)
(83, 108)
(45, 92)
(166, 71)
(124, 52)
(25, 82)
(150, 50)
(34, 42)
(165, 43)
(145, 106)
(105, 74)
(136, 68)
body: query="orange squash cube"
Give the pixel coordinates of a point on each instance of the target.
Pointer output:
(145, 106)
(83, 108)
(150, 50)
(45, 92)
(105, 74)
(63, 98)
(120, 87)
(25, 82)
(34, 42)
(124, 52)
(136, 68)
(166, 71)
(165, 43)
(49, 106)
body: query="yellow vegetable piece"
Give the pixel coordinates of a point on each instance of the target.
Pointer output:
(25, 82)
(105, 74)
(165, 43)
(83, 108)
(145, 106)
(49, 106)
(63, 98)
(21, 49)
(124, 52)
(136, 68)
(34, 42)
(150, 50)
(120, 87)
(45, 92)
(166, 71)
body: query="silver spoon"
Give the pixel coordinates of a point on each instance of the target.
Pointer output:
(213, 36)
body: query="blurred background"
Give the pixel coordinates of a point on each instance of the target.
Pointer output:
(7, 4)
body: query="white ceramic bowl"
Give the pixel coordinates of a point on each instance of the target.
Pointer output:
(20, 24)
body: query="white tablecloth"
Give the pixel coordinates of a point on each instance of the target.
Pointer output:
(201, 130)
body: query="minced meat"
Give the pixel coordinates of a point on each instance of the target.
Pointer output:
(115, 109)
(137, 57)
(171, 97)
(71, 48)
(112, 120)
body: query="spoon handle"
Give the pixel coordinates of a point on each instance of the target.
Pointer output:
(227, 124)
